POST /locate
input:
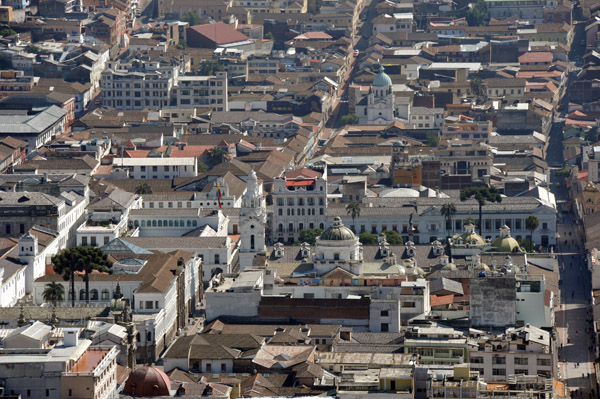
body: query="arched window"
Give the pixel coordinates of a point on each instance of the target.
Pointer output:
(160, 223)
(194, 223)
(170, 223)
(143, 223)
(181, 223)
(105, 295)
(136, 223)
(177, 223)
(94, 294)
(138, 337)
(336, 256)
(321, 226)
(154, 223)
(252, 241)
(165, 223)
(71, 295)
(82, 295)
(280, 227)
(189, 223)
(149, 336)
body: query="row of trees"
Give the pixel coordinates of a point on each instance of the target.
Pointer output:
(77, 260)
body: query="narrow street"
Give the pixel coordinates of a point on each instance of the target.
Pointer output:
(575, 354)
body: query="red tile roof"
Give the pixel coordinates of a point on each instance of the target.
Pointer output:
(219, 33)
(441, 300)
(314, 36)
(302, 173)
(538, 56)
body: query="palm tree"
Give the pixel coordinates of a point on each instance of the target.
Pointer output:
(353, 209)
(482, 194)
(532, 223)
(143, 188)
(54, 292)
(448, 211)
(217, 155)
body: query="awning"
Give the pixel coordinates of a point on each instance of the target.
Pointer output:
(295, 183)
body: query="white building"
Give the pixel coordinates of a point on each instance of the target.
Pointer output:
(138, 84)
(202, 91)
(377, 108)
(253, 220)
(426, 118)
(162, 289)
(156, 168)
(525, 350)
(299, 202)
(178, 222)
(108, 217)
(72, 368)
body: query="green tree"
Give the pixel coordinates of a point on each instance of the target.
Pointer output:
(91, 259)
(477, 87)
(368, 239)
(592, 135)
(269, 36)
(469, 220)
(477, 15)
(7, 32)
(217, 155)
(64, 263)
(182, 45)
(393, 238)
(527, 245)
(54, 292)
(210, 67)
(433, 140)
(350, 119)
(564, 172)
(309, 236)
(448, 211)
(353, 209)
(532, 223)
(192, 18)
(143, 188)
(202, 167)
(482, 194)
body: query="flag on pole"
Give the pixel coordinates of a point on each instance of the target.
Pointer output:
(219, 196)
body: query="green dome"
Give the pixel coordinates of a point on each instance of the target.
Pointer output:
(337, 232)
(382, 78)
(506, 244)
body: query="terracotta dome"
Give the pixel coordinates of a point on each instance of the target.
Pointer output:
(148, 381)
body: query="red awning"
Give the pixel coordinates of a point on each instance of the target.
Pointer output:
(295, 183)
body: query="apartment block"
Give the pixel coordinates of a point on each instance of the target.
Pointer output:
(202, 91)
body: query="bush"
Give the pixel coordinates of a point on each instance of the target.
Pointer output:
(368, 239)
(309, 236)
(393, 238)
(350, 119)
(526, 245)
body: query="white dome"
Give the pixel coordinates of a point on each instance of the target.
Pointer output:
(399, 193)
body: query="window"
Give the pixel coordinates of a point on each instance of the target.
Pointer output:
(105, 295)
(544, 226)
(521, 371)
(47, 392)
(84, 241)
(499, 360)
(543, 362)
(522, 361)
(93, 241)
(385, 327)
(498, 371)
(408, 304)
(384, 313)
(223, 367)
(217, 259)
(208, 367)
(148, 304)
